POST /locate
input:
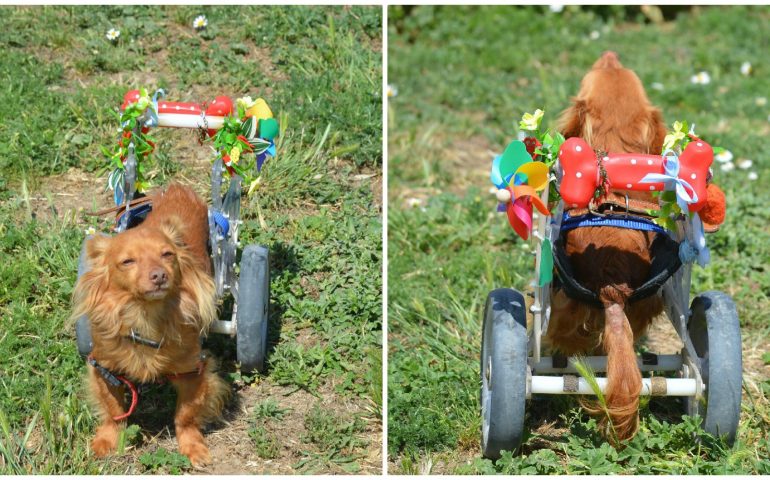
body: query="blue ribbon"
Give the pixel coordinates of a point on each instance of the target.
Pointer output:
(699, 240)
(685, 194)
(695, 249)
(118, 194)
(152, 121)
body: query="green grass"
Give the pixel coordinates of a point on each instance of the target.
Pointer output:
(320, 70)
(464, 76)
(333, 439)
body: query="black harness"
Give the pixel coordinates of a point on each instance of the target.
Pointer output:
(134, 388)
(665, 260)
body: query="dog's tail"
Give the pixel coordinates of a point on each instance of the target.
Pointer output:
(624, 380)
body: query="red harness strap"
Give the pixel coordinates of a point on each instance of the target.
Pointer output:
(134, 399)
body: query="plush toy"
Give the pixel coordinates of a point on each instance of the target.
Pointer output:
(713, 213)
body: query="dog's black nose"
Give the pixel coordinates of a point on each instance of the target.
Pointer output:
(158, 276)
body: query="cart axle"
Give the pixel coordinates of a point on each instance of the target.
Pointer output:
(573, 385)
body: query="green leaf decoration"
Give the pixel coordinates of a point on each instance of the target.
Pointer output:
(268, 128)
(547, 140)
(546, 263)
(246, 126)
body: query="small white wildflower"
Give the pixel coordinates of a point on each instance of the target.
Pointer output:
(657, 86)
(724, 156)
(760, 101)
(90, 231)
(556, 8)
(746, 68)
(594, 35)
(753, 176)
(112, 35)
(728, 167)
(701, 78)
(392, 91)
(317, 176)
(745, 164)
(414, 202)
(200, 22)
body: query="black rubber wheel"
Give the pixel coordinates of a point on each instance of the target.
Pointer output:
(82, 325)
(252, 314)
(714, 329)
(503, 372)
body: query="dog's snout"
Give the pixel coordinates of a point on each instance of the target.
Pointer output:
(610, 56)
(158, 276)
(609, 59)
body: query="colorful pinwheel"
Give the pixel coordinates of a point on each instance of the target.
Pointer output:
(519, 179)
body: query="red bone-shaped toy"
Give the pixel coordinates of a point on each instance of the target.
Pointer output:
(187, 115)
(580, 169)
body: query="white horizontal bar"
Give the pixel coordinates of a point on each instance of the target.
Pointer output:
(222, 326)
(188, 120)
(666, 363)
(675, 387)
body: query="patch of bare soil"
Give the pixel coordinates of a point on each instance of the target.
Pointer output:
(66, 195)
(467, 161)
(661, 337)
(233, 451)
(473, 157)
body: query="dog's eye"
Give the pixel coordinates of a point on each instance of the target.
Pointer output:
(127, 262)
(167, 254)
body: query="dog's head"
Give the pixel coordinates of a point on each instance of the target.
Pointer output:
(141, 262)
(612, 112)
(144, 269)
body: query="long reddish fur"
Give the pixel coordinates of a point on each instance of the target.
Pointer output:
(613, 114)
(107, 295)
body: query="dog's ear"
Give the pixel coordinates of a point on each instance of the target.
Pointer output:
(572, 121)
(173, 227)
(656, 131)
(96, 248)
(89, 296)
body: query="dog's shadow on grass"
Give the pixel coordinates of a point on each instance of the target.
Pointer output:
(156, 408)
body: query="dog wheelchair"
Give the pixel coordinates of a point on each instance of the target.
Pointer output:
(707, 372)
(247, 282)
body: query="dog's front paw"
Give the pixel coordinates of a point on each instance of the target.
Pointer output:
(103, 446)
(198, 453)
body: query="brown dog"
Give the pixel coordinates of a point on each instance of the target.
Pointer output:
(612, 113)
(153, 283)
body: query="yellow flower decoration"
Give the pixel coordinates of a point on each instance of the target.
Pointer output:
(531, 121)
(245, 102)
(674, 137)
(235, 155)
